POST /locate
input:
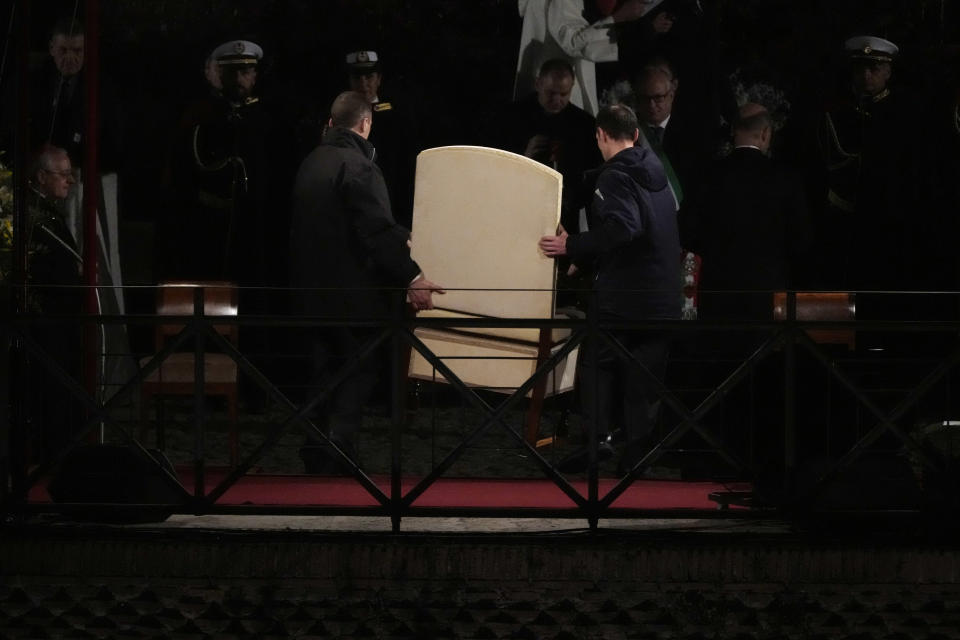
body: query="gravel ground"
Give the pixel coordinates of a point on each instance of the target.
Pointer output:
(438, 426)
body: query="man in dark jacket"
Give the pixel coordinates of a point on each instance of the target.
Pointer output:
(57, 110)
(345, 241)
(53, 271)
(635, 247)
(749, 223)
(748, 220)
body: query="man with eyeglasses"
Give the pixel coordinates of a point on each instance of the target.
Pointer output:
(52, 253)
(53, 257)
(681, 144)
(654, 93)
(57, 117)
(54, 176)
(54, 288)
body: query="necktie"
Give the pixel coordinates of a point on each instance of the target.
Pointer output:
(656, 133)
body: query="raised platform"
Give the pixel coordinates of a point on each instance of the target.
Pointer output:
(319, 577)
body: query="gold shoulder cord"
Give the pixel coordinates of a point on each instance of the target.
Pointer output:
(236, 161)
(837, 146)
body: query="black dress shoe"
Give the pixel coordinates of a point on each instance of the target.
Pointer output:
(578, 461)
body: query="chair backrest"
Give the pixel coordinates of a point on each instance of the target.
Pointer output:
(175, 298)
(477, 216)
(822, 305)
(817, 305)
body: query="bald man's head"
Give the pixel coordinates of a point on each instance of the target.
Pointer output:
(754, 127)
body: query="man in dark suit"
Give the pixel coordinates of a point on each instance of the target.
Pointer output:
(346, 254)
(57, 110)
(681, 143)
(748, 221)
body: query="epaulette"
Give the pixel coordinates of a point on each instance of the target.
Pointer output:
(382, 106)
(246, 102)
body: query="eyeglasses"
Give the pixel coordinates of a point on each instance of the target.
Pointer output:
(658, 98)
(63, 174)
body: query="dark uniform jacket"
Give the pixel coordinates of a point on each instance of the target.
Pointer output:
(53, 260)
(633, 239)
(749, 223)
(870, 165)
(394, 135)
(227, 170)
(343, 235)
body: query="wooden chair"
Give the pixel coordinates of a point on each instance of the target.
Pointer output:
(175, 376)
(478, 213)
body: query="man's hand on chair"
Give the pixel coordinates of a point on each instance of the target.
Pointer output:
(420, 293)
(553, 246)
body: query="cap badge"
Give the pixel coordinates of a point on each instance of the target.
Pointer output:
(362, 57)
(238, 47)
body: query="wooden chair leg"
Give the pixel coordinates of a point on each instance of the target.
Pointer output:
(539, 392)
(410, 387)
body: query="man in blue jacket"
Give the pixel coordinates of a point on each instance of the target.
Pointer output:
(348, 256)
(634, 247)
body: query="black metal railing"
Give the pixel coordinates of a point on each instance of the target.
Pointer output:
(778, 350)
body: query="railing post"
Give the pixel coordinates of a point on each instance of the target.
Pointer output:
(397, 412)
(790, 395)
(593, 342)
(199, 381)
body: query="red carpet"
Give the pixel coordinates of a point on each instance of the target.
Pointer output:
(299, 490)
(470, 492)
(459, 492)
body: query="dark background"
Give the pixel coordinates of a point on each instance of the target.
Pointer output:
(453, 61)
